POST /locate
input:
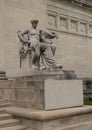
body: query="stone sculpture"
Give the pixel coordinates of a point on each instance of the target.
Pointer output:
(38, 44)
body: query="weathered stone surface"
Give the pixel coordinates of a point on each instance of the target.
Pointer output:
(27, 94)
(42, 94)
(79, 118)
(73, 45)
(63, 94)
(83, 3)
(73, 26)
(24, 94)
(16, 15)
(46, 74)
(36, 74)
(2, 75)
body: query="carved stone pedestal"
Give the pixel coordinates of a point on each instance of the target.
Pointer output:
(47, 94)
(44, 90)
(79, 118)
(47, 101)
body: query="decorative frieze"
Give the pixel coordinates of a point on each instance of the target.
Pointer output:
(83, 2)
(63, 22)
(90, 29)
(82, 28)
(87, 4)
(52, 21)
(73, 26)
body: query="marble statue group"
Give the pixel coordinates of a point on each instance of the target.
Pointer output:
(38, 44)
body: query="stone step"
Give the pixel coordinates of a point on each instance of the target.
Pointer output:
(2, 111)
(2, 101)
(80, 126)
(19, 127)
(9, 123)
(2, 105)
(5, 116)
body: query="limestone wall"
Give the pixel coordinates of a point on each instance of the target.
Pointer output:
(74, 27)
(15, 15)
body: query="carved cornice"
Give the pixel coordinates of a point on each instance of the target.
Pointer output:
(86, 4)
(83, 3)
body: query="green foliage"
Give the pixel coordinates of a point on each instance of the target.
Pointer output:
(87, 101)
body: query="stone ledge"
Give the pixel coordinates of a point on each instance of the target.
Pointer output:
(41, 115)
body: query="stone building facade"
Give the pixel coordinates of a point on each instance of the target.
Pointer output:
(70, 19)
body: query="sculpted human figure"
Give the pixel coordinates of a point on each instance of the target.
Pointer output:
(38, 42)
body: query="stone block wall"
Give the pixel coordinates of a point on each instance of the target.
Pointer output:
(14, 16)
(74, 28)
(72, 24)
(23, 94)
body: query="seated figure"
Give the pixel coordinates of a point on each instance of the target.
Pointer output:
(38, 43)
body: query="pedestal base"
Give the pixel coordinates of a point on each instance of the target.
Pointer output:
(43, 94)
(64, 119)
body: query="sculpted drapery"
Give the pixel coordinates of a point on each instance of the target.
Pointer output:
(38, 42)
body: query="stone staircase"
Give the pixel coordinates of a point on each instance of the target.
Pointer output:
(80, 126)
(7, 121)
